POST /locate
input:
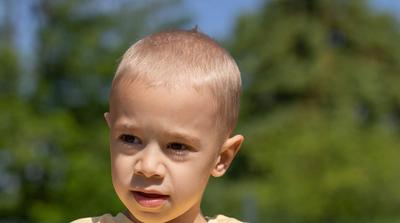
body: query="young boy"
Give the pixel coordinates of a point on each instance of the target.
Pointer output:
(173, 106)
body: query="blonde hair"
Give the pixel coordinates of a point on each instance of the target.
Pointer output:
(186, 58)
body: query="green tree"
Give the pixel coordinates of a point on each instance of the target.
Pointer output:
(321, 112)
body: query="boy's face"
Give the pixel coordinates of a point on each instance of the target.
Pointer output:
(164, 147)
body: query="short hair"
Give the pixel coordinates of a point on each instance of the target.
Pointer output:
(186, 58)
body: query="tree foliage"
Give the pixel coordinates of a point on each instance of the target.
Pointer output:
(321, 111)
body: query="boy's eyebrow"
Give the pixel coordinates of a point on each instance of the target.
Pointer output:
(182, 136)
(125, 125)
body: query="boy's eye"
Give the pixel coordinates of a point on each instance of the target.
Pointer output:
(177, 146)
(178, 150)
(130, 139)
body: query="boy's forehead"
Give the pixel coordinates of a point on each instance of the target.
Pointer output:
(127, 91)
(173, 108)
(129, 84)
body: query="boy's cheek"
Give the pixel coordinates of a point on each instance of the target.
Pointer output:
(121, 168)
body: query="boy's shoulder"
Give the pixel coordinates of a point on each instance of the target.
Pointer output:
(106, 218)
(223, 219)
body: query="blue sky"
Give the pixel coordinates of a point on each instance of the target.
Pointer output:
(214, 17)
(217, 17)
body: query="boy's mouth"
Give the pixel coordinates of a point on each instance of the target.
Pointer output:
(150, 200)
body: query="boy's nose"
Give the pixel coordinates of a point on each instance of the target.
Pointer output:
(149, 162)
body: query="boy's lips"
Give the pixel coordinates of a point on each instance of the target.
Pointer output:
(151, 199)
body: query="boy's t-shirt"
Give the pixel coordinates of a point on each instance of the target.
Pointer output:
(121, 218)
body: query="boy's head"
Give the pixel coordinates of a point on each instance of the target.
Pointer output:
(173, 106)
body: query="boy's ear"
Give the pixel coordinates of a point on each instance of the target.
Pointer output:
(107, 117)
(228, 152)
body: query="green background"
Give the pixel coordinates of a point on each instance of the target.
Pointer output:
(320, 112)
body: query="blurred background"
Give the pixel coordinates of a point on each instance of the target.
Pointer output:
(320, 108)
